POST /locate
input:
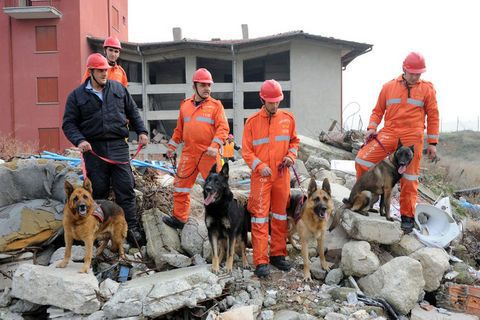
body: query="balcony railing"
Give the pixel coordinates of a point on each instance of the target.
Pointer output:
(32, 9)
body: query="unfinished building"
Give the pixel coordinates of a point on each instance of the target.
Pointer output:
(309, 68)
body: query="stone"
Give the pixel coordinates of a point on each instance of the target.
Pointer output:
(358, 260)
(435, 262)
(399, 281)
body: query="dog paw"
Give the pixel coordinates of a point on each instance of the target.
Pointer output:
(307, 277)
(83, 270)
(215, 270)
(62, 264)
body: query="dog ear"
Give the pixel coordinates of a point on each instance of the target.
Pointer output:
(412, 147)
(68, 188)
(225, 169)
(312, 187)
(214, 168)
(326, 186)
(87, 185)
(399, 144)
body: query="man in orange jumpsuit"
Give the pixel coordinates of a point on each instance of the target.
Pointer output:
(229, 148)
(112, 48)
(404, 102)
(202, 127)
(270, 145)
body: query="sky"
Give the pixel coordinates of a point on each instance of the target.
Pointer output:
(447, 33)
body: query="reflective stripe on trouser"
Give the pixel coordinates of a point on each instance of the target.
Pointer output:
(269, 197)
(373, 153)
(182, 187)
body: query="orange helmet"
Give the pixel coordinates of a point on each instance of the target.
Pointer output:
(414, 63)
(271, 91)
(112, 42)
(97, 61)
(202, 75)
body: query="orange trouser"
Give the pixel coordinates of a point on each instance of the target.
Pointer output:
(187, 172)
(373, 153)
(267, 197)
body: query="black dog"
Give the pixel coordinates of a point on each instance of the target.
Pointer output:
(226, 218)
(377, 182)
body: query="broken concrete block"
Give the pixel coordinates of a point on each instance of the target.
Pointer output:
(372, 228)
(163, 292)
(61, 287)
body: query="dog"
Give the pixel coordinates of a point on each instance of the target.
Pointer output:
(308, 216)
(86, 220)
(226, 218)
(377, 182)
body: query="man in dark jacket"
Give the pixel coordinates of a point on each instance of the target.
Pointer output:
(97, 116)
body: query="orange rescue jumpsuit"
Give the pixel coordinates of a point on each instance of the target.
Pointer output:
(405, 110)
(266, 141)
(114, 73)
(198, 127)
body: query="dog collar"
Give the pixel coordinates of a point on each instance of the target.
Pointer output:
(98, 213)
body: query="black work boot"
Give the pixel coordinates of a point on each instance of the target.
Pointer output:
(262, 270)
(173, 222)
(135, 237)
(280, 263)
(407, 224)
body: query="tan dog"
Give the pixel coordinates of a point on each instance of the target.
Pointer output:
(311, 220)
(85, 220)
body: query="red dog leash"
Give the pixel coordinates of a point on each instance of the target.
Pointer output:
(84, 168)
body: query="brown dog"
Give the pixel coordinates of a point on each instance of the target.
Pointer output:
(377, 182)
(85, 220)
(311, 220)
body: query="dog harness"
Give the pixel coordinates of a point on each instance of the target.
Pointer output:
(98, 212)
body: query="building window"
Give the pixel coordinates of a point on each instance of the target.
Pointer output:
(47, 90)
(166, 101)
(48, 139)
(167, 71)
(273, 66)
(225, 97)
(115, 18)
(251, 100)
(138, 98)
(132, 69)
(221, 70)
(46, 38)
(165, 127)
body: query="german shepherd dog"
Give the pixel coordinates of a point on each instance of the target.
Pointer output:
(226, 218)
(311, 220)
(86, 220)
(379, 181)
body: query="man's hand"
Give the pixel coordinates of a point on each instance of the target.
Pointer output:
(266, 172)
(170, 153)
(143, 139)
(212, 152)
(370, 132)
(84, 146)
(431, 152)
(287, 162)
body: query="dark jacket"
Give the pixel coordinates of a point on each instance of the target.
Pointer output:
(87, 118)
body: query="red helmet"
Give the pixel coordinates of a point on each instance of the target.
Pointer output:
(202, 75)
(97, 61)
(271, 91)
(112, 42)
(414, 63)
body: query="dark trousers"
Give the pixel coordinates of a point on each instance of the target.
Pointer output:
(118, 176)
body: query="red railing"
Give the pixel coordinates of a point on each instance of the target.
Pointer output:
(28, 3)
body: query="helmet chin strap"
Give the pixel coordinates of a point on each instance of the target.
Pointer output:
(112, 63)
(198, 94)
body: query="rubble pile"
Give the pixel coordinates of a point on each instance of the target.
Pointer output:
(376, 271)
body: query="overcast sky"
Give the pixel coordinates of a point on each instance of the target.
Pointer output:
(446, 32)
